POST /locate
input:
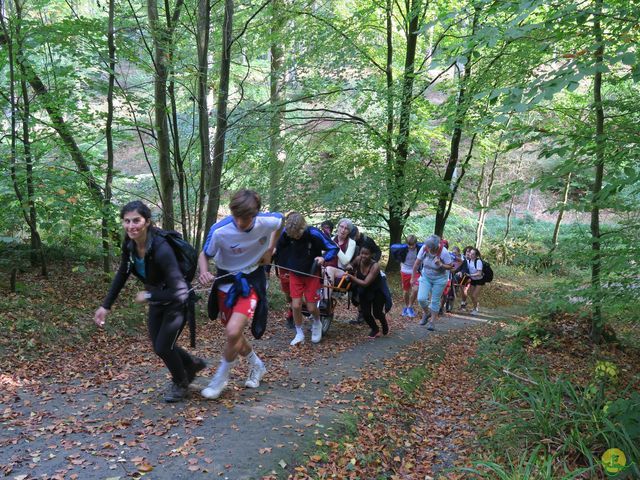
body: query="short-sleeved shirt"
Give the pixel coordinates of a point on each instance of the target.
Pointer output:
(474, 267)
(236, 250)
(409, 261)
(429, 268)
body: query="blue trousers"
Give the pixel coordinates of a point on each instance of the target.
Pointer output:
(426, 287)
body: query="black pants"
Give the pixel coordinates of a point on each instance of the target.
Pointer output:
(373, 308)
(165, 323)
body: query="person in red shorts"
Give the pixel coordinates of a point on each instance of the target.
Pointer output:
(406, 254)
(299, 252)
(239, 245)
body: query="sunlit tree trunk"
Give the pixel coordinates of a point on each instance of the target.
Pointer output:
(396, 190)
(221, 118)
(276, 86)
(202, 39)
(563, 206)
(106, 213)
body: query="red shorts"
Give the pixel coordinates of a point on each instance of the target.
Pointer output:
(406, 281)
(283, 275)
(300, 285)
(245, 306)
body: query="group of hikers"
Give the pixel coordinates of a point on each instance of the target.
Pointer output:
(309, 262)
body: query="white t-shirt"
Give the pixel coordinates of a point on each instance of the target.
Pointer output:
(429, 268)
(475, 268)
(407, 266)
(235, 250)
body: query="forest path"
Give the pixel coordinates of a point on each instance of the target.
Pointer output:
(111, 429)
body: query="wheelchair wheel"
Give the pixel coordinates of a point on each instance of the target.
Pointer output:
(326, 322)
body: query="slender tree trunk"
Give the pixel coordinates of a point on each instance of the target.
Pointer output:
(446, 196)
(563, 206)
(397, 190)
(458, 179)
(392, 264)
(221, 119)
(106, 210)
(183, 188)
(161, 40)
(276, 80)
(28, 207)
(202, 38)
(597, 320)
(485, 200)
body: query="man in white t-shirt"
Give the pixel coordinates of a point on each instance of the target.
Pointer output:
(239, 245)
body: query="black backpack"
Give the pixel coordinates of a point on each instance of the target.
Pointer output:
(487, 272)
(186, 255)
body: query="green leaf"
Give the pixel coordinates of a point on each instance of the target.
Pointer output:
(629, 58)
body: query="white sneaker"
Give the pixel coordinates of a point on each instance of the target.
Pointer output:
(474, 312)
(256, 373)
(316, 331)
(299, 338)
(215, 387)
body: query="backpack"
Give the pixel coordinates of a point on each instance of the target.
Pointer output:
(487, 272)
(186, 255)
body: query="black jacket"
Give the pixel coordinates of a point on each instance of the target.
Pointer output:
(164, 280)
(298, 254)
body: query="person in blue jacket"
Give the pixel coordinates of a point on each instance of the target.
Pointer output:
(299, 252)
(406, 254)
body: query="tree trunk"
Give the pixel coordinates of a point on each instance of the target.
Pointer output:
(563, 206)
(161, 39)
(446, 196)
(106, 213)
(396, 189)
(202, 38)
(276, 80)
(221, 118)
(597, 320)
(484, 195)
(395, 227)
(28, 208)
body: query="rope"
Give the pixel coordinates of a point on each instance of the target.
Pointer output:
(206, 289)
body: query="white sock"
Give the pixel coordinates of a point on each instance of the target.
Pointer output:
(225, 367)
(316, 320)
(253, 358)
(299, 330)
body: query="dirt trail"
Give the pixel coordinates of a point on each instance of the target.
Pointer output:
(92, 430)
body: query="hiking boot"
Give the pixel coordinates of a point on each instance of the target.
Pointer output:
(198, 365)
(316, 331)
(215, 387)
(299, 338)
(430, 326)
(410, 312)
(463, 305)
(405, 312)
(425, 319)
(385, 327)
(290, 323)
(175, 392)
(256, 373)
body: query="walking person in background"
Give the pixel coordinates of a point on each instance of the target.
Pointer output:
(148, 255)
(239, 244)
(364, 272)
(474, 264)
(406, 254)
(465, 280)
(299, 247)
(436, 263)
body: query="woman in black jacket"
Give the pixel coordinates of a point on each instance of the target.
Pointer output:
(150, 258)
